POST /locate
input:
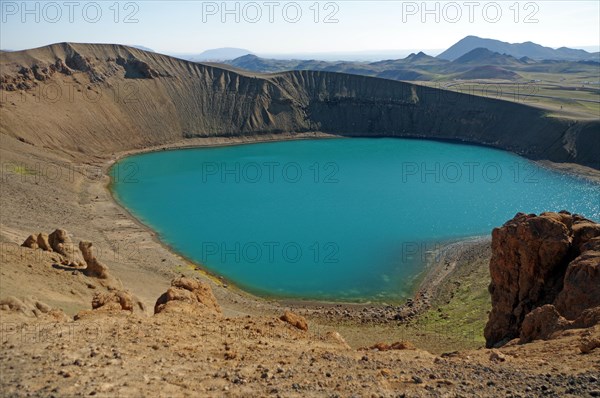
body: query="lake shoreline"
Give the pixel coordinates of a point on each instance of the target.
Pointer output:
(427, 290)
(212, 142)
(137, 256)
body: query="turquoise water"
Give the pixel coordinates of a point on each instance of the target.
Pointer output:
(343, 219)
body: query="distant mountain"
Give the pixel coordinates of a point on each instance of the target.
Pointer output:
(481, 56)
(401, 69)
(517, 50)
(220, 54)
(413, 59)
(479, 63)
(267, 65)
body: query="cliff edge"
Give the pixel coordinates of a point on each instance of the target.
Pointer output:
(545, 277)
(101, 98)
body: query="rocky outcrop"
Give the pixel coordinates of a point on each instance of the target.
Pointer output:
(78, 62)
(581, 285)
(43, 242)
(31, 307)
(136, 69)
(545, 274)
(94, 267)
(11, 303)
(187, 295)
(58, 242)
(114, 302)
(295, 320)
(31, 242)
(542, 323)
(61, 243)
(118, 300)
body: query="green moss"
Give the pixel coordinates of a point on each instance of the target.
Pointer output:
(22, 170)
(464, 313)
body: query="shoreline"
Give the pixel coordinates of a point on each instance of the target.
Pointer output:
(88, 211)
(424, 282)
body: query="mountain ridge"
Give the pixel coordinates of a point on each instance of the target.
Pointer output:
(517, 50)
(177, 99)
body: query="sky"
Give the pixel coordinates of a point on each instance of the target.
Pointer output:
(267, 27)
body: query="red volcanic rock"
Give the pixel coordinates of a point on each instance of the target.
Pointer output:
(541, 323)
(399, 345)
(581, 285)
(187, 295)
(295, 320)
(552, 258)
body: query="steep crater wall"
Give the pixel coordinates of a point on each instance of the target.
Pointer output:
(142, 99)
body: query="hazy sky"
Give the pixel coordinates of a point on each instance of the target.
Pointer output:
(292, 27)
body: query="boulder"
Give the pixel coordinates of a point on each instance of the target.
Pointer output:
(31, 242)
(43, 242)
(94, 267)
(57, 241)
(187, 295)
(589, 344)
(61, 243)
(497, 356)
(117, 300)
(542, 323)
(295, 320)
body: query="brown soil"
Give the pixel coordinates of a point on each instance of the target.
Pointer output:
(54, 161)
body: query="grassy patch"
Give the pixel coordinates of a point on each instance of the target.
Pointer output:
(463, 313)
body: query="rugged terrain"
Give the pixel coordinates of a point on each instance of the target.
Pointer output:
(209, 338)
(189, 347)
(100, 99)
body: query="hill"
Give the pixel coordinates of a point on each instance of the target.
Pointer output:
(483, 56)
(219, 54)
(488, 72)
(517, 50)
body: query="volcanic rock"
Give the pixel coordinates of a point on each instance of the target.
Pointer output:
(94, 267)
(541, 323)
(537, 260)
(31, 242)
(295, 320)
(116, 299)
(61, 243)
(186, 295)
(43, 242)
